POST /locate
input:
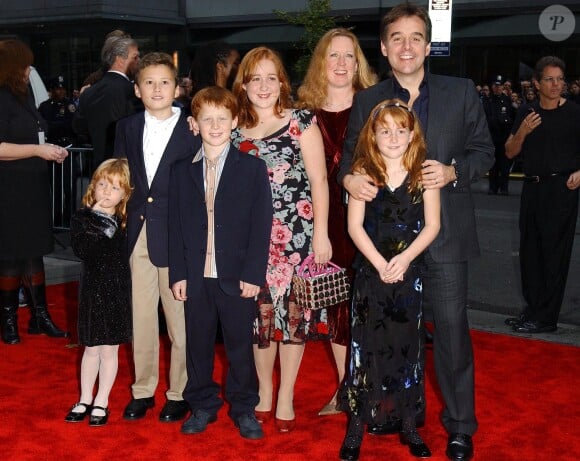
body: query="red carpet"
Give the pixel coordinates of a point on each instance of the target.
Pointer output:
(527, 406)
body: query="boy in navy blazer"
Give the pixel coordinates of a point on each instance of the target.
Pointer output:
(220, 220)
(152, 141)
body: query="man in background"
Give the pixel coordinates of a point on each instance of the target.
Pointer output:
(546, 134)
(58, 111)
(500, 117)
(111, 98)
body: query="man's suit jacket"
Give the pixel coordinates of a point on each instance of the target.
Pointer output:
(457, 130)
(101, 106)
(242, 223)
(151, 203)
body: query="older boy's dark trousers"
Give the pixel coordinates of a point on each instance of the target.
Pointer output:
(236, 315)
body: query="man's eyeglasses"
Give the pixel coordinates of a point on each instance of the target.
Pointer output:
(553, 79)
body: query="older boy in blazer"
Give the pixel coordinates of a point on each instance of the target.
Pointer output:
(220, 220)
(152, 141)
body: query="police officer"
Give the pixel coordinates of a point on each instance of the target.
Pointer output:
(500, 118)
(58, 111)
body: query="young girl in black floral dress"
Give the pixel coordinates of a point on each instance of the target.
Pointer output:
(98, 238)
(385, 379)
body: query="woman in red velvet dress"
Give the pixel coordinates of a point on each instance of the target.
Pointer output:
(338, 70)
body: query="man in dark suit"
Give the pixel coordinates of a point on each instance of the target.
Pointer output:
(220, 221)
(460, 151)
(152, 141)
(111, 98)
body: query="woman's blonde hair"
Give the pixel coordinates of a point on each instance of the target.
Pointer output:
(313, 91)
(109, 169)
(367, 157)
(247, 116)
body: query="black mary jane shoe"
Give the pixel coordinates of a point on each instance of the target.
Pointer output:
(95, 420)
(418, 450)
(75, 416)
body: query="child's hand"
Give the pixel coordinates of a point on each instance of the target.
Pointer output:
(382, 270)
(98, 206)
(248, 290)
(179, 290)
(396, 268)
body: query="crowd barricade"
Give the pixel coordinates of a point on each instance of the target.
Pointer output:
(69, 182)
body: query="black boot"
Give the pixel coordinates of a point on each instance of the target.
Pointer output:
(8, 308)
(40, 321)
(350, 449)
(9, 325)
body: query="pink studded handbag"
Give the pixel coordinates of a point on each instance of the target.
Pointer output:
(317, 288)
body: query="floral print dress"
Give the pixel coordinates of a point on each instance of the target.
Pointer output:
(385, 378)
(279, 317)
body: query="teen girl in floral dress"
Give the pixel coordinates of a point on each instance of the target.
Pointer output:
(290, 143)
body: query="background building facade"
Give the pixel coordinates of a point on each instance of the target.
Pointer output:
(488, 37)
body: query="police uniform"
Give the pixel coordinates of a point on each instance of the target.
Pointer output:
(500, 118)
(59, 115)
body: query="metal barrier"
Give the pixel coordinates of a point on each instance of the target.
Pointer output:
(69, 181)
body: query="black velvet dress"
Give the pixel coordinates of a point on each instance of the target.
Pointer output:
(25, 208)
(385, 379)
(105, 289)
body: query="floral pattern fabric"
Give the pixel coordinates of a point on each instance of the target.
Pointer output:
(385, 379)
(279, 317)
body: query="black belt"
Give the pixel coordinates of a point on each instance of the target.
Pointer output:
(544, 177)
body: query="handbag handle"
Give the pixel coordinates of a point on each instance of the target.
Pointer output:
(313, 269)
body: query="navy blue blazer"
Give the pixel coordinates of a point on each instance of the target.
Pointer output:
(151, 204)
(457, 130)
(242, 223)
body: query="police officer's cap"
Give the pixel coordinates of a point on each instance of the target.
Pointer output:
(498, 80)
(57, 82)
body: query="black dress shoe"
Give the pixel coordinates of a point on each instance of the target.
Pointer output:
(534, 326)
(249, 427)
(137, 408)
(349, 453)
(75, 416)
(173, 410)
(515, 321)
(98, 420)
(197, 422)
(418, 450)
(459, 447)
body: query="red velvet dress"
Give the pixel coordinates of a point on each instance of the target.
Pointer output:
(333, 127)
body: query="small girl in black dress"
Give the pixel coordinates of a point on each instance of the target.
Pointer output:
(98, 238)
(385, 380)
